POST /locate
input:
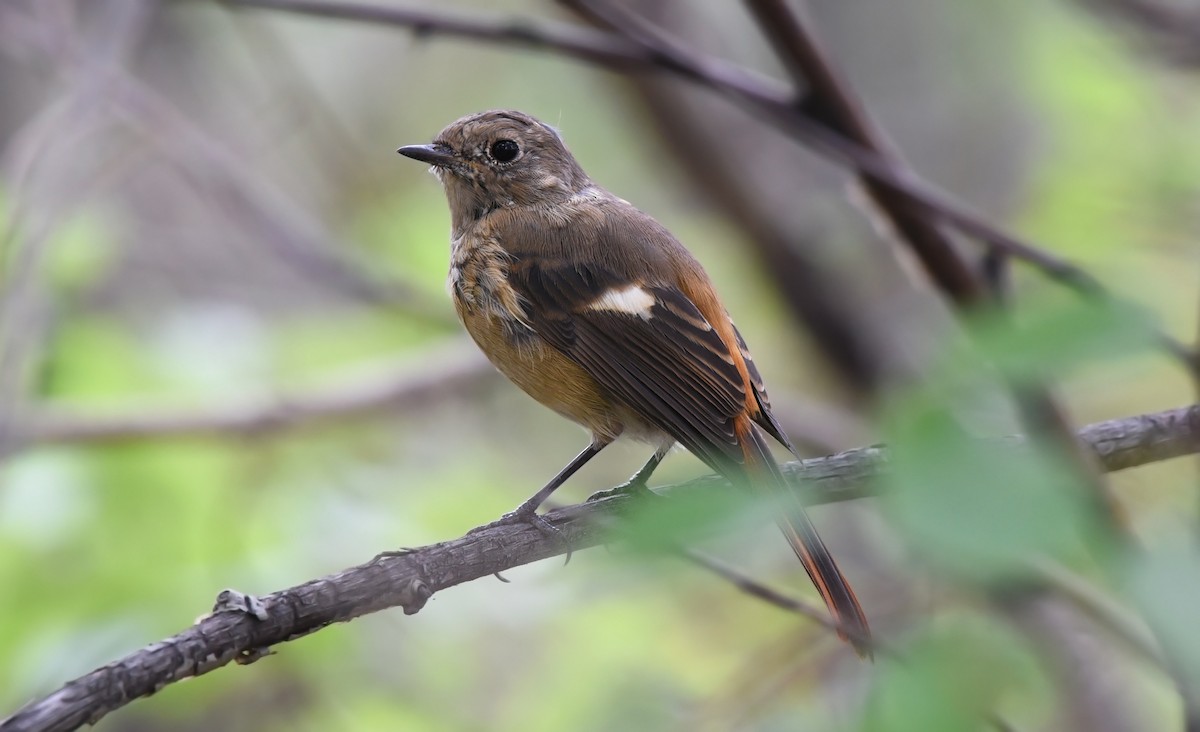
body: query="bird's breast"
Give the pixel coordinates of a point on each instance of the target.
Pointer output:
(494, 316)
(478, 279)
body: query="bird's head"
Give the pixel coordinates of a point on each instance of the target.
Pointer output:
(496, 159)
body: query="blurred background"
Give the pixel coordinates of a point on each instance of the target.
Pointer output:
(227, 359)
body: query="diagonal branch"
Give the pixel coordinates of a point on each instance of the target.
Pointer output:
(771, 596)
(831, 101)
(243, 629)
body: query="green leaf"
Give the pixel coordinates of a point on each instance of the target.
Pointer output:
(1049, 340)
(1166, 585)
(660, 524)
(954, 676)
(975, 507)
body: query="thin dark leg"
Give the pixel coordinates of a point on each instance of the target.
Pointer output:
(526, 513)
(637, 483)
(531, 504)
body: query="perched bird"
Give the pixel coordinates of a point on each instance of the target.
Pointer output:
(595, 310)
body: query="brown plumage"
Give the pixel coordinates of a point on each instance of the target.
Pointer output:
(598, 312)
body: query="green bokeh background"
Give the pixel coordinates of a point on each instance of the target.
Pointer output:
(150, 298)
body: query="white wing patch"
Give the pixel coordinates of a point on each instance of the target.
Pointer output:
(631, 300)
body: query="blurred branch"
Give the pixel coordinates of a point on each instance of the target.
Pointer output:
(816, 296)
(1170, 29)
(1042, 604)
(1101, 609)
(39, 204)
(293, 234)
(830, 101)
(441, 373)
(789, 117)
(1095, 692)
(575, 41)
(289, 228)
(245, 630)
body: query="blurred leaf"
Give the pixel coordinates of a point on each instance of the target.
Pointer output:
(953, 677)
(657, 525)
(1051, 339)
(970, 505)
(973, 507)
(1166, 586)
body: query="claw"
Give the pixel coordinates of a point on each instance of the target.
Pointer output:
(527, 514)
(632, 488)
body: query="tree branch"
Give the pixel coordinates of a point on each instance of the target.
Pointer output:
(831, 100)
(243, 629)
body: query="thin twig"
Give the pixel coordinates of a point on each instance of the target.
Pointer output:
(817, 136)
(758, 590)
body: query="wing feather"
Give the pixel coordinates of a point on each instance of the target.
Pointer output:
(668, 365)
(765, 418)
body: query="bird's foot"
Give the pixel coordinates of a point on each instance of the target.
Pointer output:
(632, 487)
(526, 515)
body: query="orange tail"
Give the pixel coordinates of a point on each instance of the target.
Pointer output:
(764, 473)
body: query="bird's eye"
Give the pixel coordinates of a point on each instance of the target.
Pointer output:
(505, 151)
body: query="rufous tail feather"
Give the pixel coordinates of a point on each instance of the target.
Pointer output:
(763, 474)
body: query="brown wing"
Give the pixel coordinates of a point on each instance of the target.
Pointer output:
(764, 418)
(667, 364)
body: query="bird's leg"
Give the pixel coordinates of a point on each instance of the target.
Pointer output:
(526, 513)
(636, 485)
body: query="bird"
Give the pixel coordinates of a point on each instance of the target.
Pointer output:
(598, 312)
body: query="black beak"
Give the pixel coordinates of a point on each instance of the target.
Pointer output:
(439, 155)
